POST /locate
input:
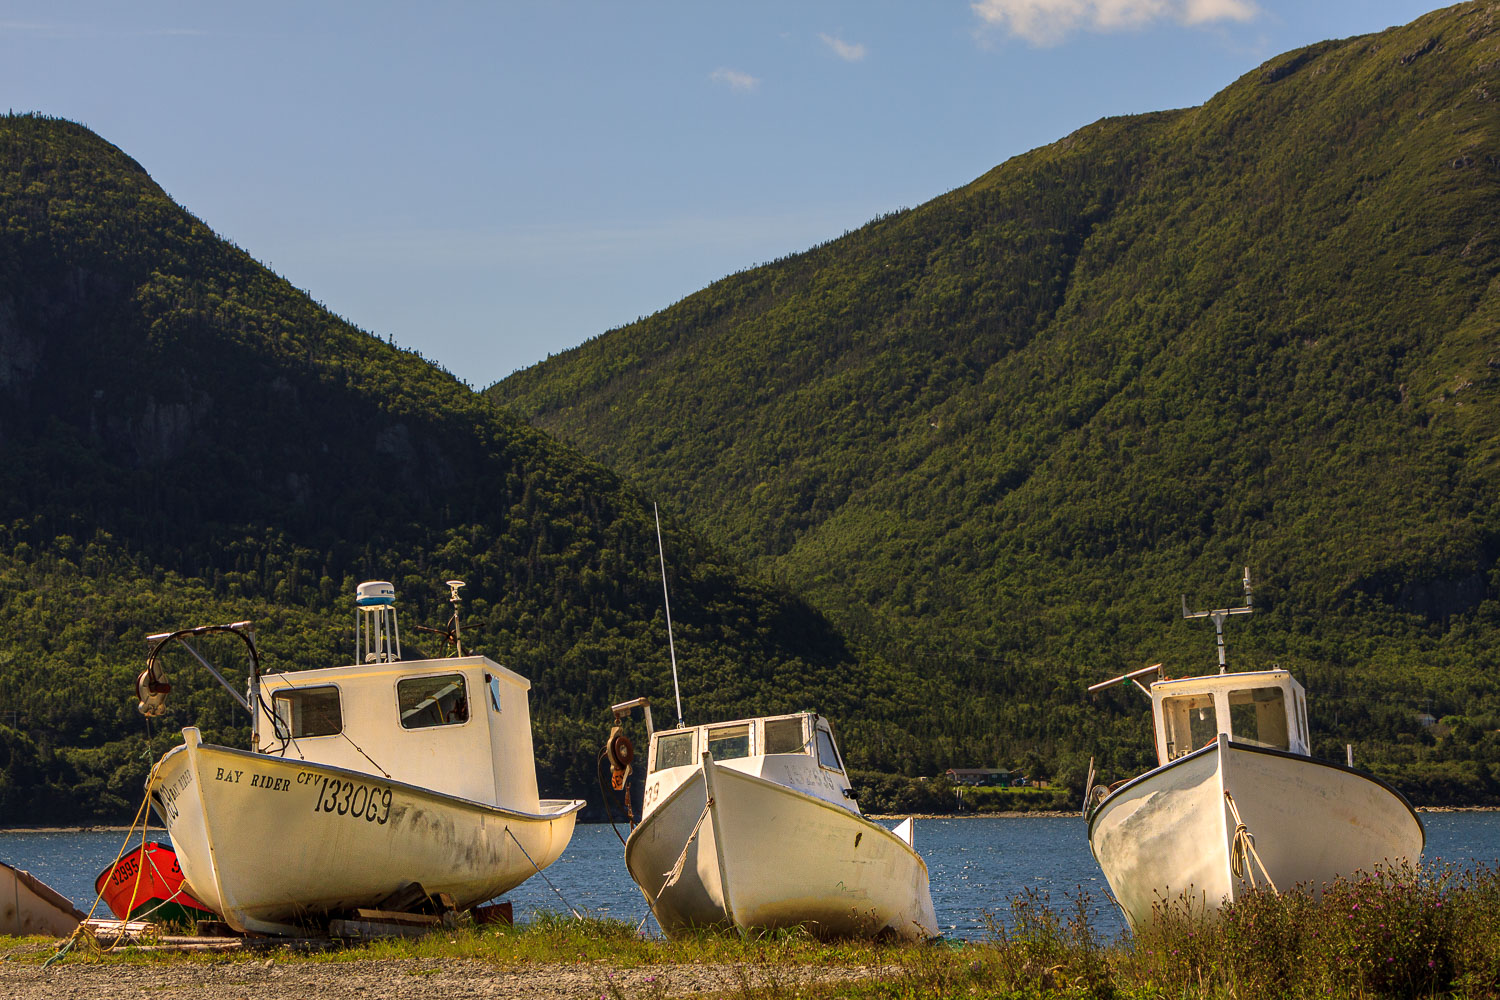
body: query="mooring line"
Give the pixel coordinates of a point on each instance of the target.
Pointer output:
(1243, 850)
(576, 914)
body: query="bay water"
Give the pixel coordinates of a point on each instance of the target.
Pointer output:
(977, 866)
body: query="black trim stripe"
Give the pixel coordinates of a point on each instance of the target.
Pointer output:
(1302, 758)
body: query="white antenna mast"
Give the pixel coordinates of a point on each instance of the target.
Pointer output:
(667, 600)
(1219, 616)
(454, 599)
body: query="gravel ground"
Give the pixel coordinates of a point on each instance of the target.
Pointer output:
(268, 979)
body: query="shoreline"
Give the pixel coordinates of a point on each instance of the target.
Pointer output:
(1009, 814)
(72, 829)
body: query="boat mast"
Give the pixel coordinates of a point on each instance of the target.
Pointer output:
(667, 601)
(454, 599)
(1219, 615)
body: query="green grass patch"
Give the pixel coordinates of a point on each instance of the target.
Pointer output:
(1428, 932)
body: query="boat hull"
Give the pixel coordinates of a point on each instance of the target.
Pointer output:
(768, 856)
(30, 906)
(273, 844)
(1168, 837)
(146, 884)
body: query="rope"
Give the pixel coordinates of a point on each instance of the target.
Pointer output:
(604, 793)
(576, 914)
(81, 929)
(599, 773)
(291, 741)
(1243, 850)
(676, 872)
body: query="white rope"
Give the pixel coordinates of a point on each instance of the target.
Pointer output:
(576, 914)
(676, 872)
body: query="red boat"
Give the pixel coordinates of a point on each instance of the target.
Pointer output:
(148, 884)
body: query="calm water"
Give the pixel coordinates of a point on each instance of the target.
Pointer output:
(977, 865)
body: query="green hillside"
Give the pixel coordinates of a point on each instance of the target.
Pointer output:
(186, 439)
(998, 435)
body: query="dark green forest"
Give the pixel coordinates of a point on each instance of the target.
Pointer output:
(932, 478)
(996, 437)
(186, 439)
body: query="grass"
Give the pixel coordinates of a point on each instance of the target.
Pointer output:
(1410, 932)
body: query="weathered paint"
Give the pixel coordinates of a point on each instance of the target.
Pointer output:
(30, 906)
(266, 854)
(769, 855)
(1167, 836)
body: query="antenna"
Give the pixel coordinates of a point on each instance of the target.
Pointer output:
(667, 600)
(377, 638)
(1219, 615)
(454, 599)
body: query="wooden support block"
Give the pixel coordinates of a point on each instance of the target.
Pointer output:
(214, 928)
(397, 917)
(494, 913)
(376, 929)
(409, 897)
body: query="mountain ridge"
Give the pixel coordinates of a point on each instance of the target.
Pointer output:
(185, 438)
(1013, 425)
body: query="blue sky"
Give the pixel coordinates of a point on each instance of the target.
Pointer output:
(491, 183)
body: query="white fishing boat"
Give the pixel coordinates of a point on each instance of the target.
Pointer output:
(752, 824)
(361, 780)
(1237, 801)
(30, 906)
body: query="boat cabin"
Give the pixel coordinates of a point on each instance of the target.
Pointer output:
(794, 750)
(1266, 708)
(456, 725)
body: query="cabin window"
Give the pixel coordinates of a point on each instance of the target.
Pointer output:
(827, 755)
(729, 742)
(785, 736)
(1302, 722)
(432, 701)
(673, 750)
(493, 683)
(1191, 722)
(312, 711)
(1257, 716)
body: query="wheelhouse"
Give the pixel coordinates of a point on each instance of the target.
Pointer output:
(452, 725)
(804, 734)
(1265, 709)
(456, 725)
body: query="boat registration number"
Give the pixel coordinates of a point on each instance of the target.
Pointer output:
(350, 798)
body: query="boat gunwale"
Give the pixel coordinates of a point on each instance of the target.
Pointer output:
(1214, 746)
(571, 805)
(753, 778)
(44, 892)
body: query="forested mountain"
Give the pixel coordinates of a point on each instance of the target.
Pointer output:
(186, 439)
(998, 435)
